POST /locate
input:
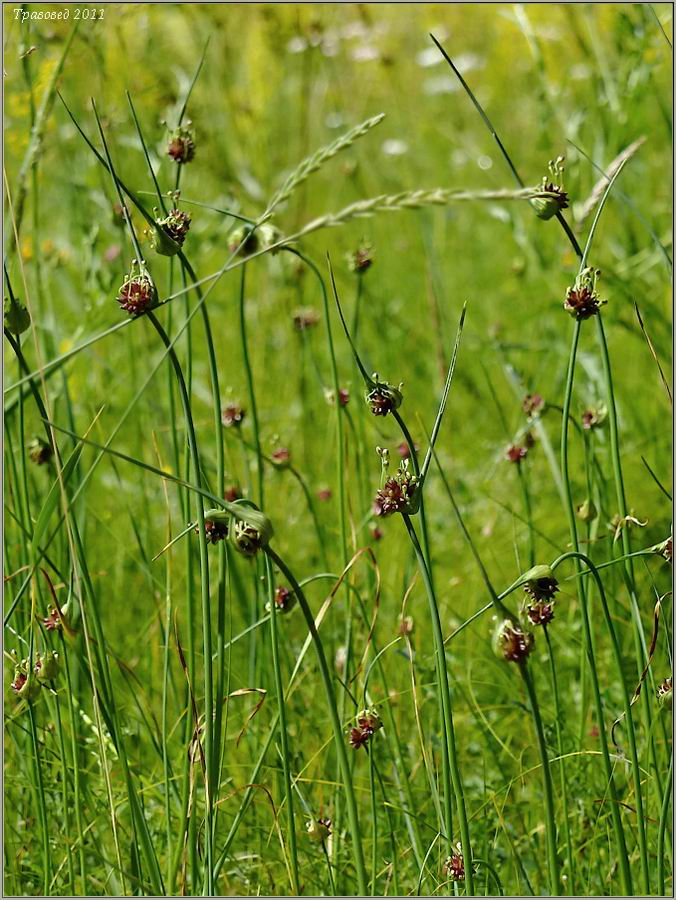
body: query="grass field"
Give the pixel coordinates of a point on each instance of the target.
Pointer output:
(276, 624)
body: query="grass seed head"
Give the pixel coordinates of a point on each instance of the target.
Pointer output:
(398, 494)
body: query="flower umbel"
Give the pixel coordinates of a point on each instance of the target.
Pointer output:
(551, 198)
(40, 451)
(664, 694)
(382, 397)
(368, 722)
(182, 144)
(511, 642)
(318, 830)
(582, 300)
(137, 294)
(285, 600)
(250, 530)
(361, 259)
(540, 612)
(399, 493)
(454, 866)
(169, 233)
(232, 415)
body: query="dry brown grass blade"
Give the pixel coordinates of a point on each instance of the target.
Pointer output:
(243, 692)
(599, 188)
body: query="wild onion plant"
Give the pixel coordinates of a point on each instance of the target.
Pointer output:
(316, 583)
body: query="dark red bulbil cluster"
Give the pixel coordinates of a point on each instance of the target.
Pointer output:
(215, 531)
(454, 867)
(396, 495)
(512, 643)
(542, 588)
(137, 294)
(532, 405)
(181, 146)
(232, 415)
(368, 722)
(176, 225)
(540, 612)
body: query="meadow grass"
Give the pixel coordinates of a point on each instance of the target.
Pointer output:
(337, 549)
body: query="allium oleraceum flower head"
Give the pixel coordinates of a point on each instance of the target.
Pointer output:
(552, 198)
(532, 405)
(285, 600)
(361, 259)
(181, 146)
(541, 587)
(318, 830)
(454, 866)
(665, 694)
(511, 642)
(137, 294)
(382, 397)
(540, 612)
(368, 722)
(169, 233)
(40, 451)
(251, 530)
(399, 494)
(232, 415)
(582, 300)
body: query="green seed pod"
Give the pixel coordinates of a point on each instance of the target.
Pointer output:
(161, 242)
(16, 316)
(47, 667)
(550, 201)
